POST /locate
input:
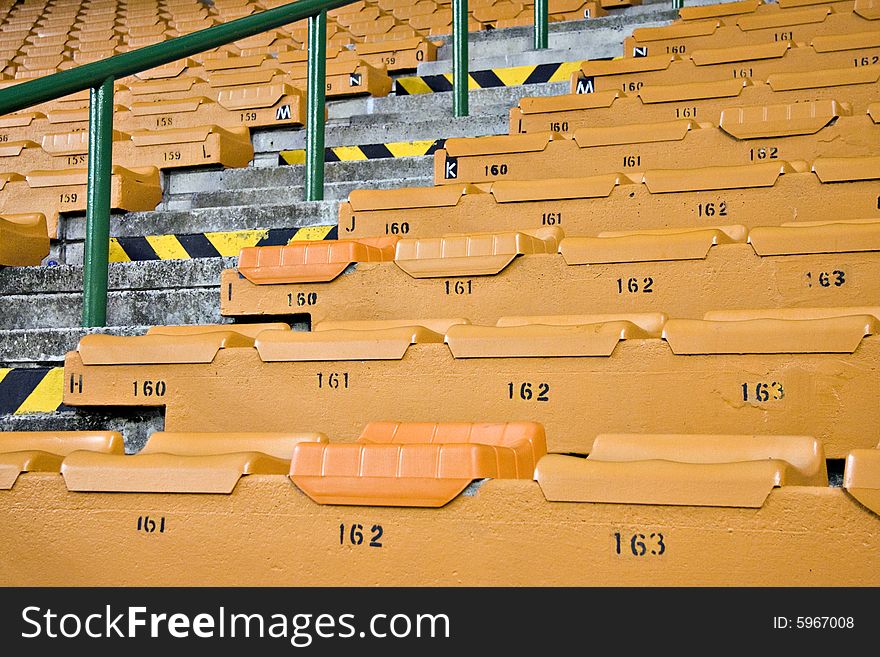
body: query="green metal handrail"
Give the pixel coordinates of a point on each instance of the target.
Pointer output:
(100, 76)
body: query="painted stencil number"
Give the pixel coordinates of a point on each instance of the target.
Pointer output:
(639, 545)
(354, 535)
(149, 525)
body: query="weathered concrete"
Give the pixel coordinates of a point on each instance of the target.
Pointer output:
(314, 213)
(124, 308)
(149, 275)
(47, 346)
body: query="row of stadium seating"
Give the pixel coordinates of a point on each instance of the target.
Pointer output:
(668, 498)
(780, 371)
(485, 276)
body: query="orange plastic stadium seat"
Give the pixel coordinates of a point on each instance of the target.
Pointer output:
(53, 192)
(689, 470)
(416, 464)
(186, 463)
(24, 240)
(44, 451)
(861, 477)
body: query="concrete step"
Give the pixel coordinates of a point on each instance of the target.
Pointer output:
(200, 305)
(42, 346)
(568, 41)
(282, 177)
(245, 217)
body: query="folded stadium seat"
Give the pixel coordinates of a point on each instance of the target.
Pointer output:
(614, 4)
(27, 74)
(42, 63)
(352, 77)
(53, 192)
(484, 276)
(372, 26)
(751, 195)
(755, 62)
(194, 25)
(43, 451)
(48, 39)
(573, 10)
(253, 106)
(797, 131)
(747, 372)
(861, 477)
(440, 22)
(793, 25)
(172, 70)
(356, 15)
(488, 15)
(172, 88)
(30, 50)
(22, 126)
(164, 149)
(686, 470)
(416, 464)
(701, 101)
(188, 147)
(186, 462)
(24, 240)
(96, 33)
(729, 12)
(134, 43)
(403, 12)
(402, 55)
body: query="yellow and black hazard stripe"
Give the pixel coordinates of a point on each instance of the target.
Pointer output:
(31, 390)
(209, 245)
(513, 76)
(368, 151)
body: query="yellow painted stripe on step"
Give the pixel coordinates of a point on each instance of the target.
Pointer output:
(414, 86)
(3, 373)
(409, 148)
(514, 75)
(311, 233)
(294, 157)
(47, 396)
(563, 73)
(472, 84)
(117, 253)
(230, 244)
(167, 247)
(349, 153)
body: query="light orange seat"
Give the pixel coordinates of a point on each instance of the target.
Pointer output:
(310, 261)
(416, 464)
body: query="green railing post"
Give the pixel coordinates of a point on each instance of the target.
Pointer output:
(460, 57)
(315, 107)
(677, 4)
(541, 20)
(98, 205)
